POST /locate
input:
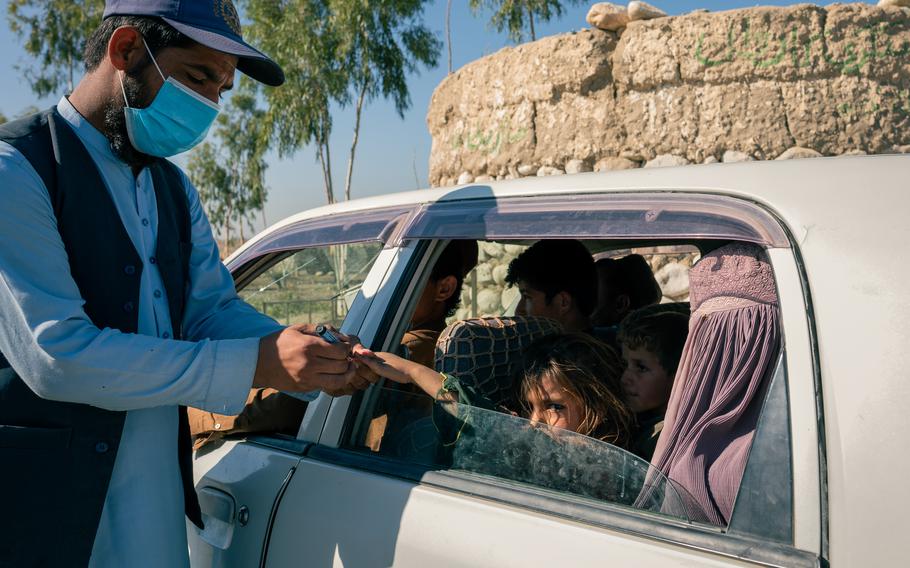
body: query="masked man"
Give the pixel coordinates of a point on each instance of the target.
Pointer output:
(115, 311)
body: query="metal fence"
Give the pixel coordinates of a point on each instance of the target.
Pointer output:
(326, 310)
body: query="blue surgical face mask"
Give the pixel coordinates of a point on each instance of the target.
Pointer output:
(178, 118)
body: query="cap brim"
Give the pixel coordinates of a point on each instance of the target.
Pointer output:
(252, 62)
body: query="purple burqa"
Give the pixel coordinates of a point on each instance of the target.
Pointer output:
(722, 378)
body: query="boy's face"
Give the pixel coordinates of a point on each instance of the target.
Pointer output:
(645, 382)
(533, 302)
(552, 405)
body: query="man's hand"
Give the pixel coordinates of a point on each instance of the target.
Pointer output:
(363, 376)
(297, 360)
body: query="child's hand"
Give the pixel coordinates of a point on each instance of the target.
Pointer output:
(399, 370)
(386, 365)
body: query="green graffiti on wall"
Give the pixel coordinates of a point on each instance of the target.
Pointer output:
(489, 141)
(897, 103)
(863, 45)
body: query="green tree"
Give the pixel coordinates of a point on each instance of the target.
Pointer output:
(229, 171)
(337, 52)
(449, 32)
(380, 42)
(515, 15)
(55, 32)
(298, 35)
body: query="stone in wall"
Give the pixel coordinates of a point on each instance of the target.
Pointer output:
(733, 156)
(577, 167)
(674, 281)
(613, 163)
(607, 16)
(488, 302)
(644, 11)
(484, 117)
(666, 160)
(760, 81)
(798, 153)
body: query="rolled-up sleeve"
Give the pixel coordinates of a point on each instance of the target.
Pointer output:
(52, 344)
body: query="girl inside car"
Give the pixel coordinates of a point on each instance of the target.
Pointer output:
(569, 381)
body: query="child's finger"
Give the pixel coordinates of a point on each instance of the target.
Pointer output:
(359, 349)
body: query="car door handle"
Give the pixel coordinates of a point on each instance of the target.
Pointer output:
(218, 515)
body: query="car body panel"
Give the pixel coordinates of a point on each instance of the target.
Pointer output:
(251, 474)
(846, 327)
(436, 527)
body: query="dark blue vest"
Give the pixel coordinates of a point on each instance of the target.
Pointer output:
(56, 458)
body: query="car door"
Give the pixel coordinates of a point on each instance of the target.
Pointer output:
(321, 268)
(346, 505)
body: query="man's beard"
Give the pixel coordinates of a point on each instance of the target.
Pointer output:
(115, 122)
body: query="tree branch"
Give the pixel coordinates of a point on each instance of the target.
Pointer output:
(357, 113)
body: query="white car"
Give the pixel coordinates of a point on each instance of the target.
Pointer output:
(826, 482)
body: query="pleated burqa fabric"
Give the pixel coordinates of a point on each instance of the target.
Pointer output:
(722, 379)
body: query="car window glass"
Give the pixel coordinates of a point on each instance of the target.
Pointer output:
(313, 285)
(322, 230)
(766, 491)
(488, 443)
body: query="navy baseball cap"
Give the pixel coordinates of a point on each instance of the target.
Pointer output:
(212, 23)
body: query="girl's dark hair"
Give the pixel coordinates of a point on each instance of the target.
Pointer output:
(590, 372)
(158, 34)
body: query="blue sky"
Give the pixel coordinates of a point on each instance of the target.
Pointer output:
(391, 150)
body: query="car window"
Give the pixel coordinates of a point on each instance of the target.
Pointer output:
(404, 424)
(313, 285)
(399, 421)
(379, 225)
(497, 445)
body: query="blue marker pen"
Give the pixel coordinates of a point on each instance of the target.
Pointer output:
(325, 333)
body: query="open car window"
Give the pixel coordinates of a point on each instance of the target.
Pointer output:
(505, 449)
(393, 429)
(317, 284)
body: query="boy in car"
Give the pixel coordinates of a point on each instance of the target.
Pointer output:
(652, 340)
(557, 280)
